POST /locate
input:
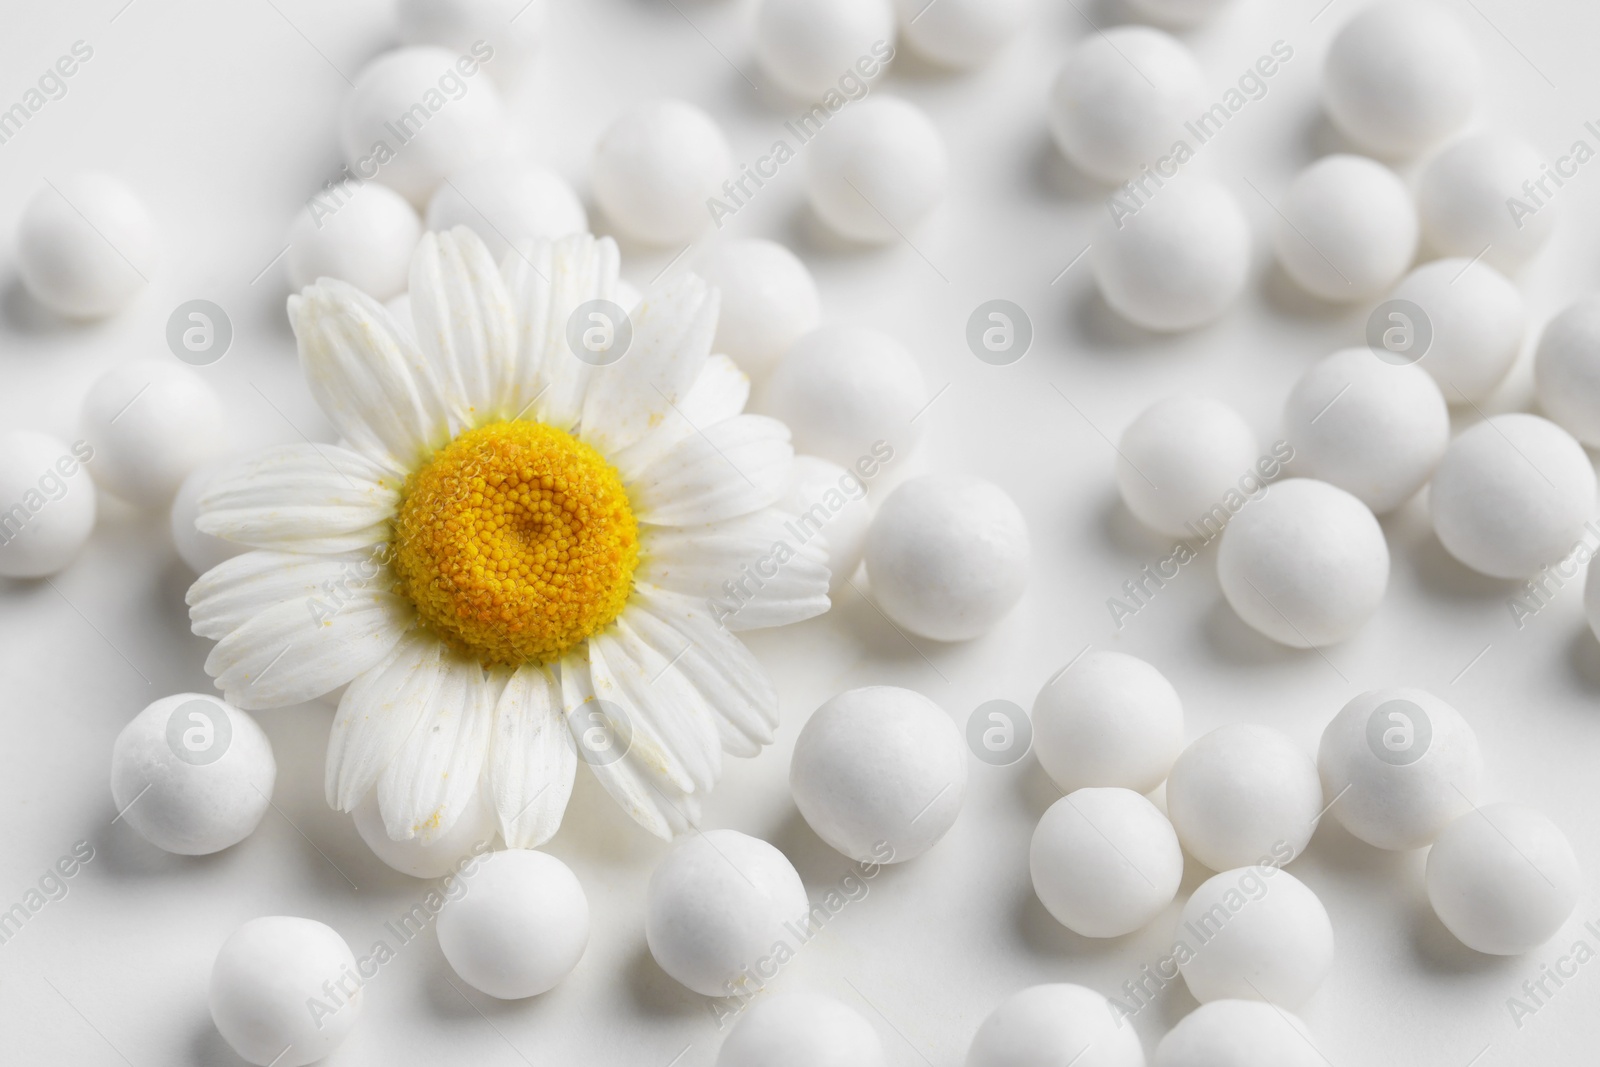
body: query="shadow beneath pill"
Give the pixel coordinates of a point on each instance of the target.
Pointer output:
(1057, 176)
(1099, 327)
(1320, 137)
(1285, 299)
(1237, 643)
(207, 1048)
(1583, 659)
(1438, 950)
(657, 994)
(1442, 575)
(1125, 535)
(1035, 788)
(22, 314)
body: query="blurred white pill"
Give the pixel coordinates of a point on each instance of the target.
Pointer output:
(47, 503)
(86, 245)
(506, 202)
(878, 170)
(811, 48)
(363, 235)
(1263, 935)
(418, 114)
(1465, 200)
(519, 927)
(1306, 565)
(825, 498)
(1107, 719)
(769, 301)
(1179, 261)
(1181, 458)
(1512, 494)
(1475, 317)
(1180, 14)
(801, 1029)
(947, 556)
(511, 28)
(879, 773)
(285, 991)
(962, 33)
(1373, 428)
(192, 774)
(1566, 370)
(1400, 76)
(1051, 1025)
(1121, 99)
(716, 905)
(151, 423)
(1105, 862)
(1345, 229)
(1503, 879)
(1243, 794)
(1238, 1033)
(201, 551)
(656, 166)
(846, 393)
(434, 851)
(1402, 764)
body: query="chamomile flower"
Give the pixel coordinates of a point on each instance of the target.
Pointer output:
(513, 550)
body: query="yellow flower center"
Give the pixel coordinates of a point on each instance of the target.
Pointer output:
(516, 542)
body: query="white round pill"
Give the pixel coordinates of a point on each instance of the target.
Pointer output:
(1121, 99)
(512, 29)
(1591, 595)
(192, 774)
(947, 556)
(1566, 370)
(434, 851)
(962, 33)
(1179, 261)
(48, 501)
(1512, 494)
(1306, 565)
(769, 301)
(520, 926)
(285, 991)
(1178, 13)
(417, 115)
(879, 773)
(1181, 458)
(1105, 862)
(1238, 1033)
(656, 166)
(1465, 200)
(1373, 428)
(826, 498)
(1475, 317)
(811, 48)
(1052, 1025)
(847, 393)
(150, 424)
(200, 551)
(86, 245)
(507, 202)
(1107, 719)
(363, 235)
(1243, 794)
(1345, 230)
(1400, 76)
(1397, 765)
(1263, 935)
(1503, 879)
(878, 170)
(716, 905)
(801, 1029)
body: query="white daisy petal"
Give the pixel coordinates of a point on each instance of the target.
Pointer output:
(236, 590)
(298, 650)
(736, 467)
(738, 692)
(657, 697)
(651, 801)
(464, 322)
(547, 285)
(367, 376)
(672, 332)
(306, 498)
(377, 714)
(532, 758)
(440, 766)
(720, 393)
(758, 570)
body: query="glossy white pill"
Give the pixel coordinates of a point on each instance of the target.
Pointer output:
(769, 301)
(47, 503)
(86, 245)
(1260, 933)
(507, 202)
(1474, 199)
(1243, 794)
(362, 235)
(878, 170)
(846, 393)
(801, 1029)
(285, 991)
(656, 166)
(824, 50)
(1107, 719)
(1181, 458)
(1105, 862)
(1345, 228)
(151, 423)
(1476, 318)
(519, 928)
(1566, 370)
(1049, 1025)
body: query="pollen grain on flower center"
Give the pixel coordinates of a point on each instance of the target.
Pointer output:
(516, 542)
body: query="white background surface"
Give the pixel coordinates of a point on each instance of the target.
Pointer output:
(223, 117)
